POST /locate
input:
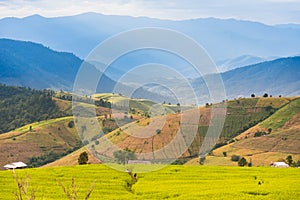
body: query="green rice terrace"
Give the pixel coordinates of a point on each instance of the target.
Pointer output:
(171, 182)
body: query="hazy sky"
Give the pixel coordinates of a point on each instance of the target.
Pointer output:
(266, 11)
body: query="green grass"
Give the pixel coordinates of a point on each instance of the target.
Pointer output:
(43, 123)
(172, 182)
(278, 119)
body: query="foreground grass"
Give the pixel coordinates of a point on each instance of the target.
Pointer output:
(172, 182)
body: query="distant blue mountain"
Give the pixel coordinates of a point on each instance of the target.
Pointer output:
(34, 65)
(223, 39)
(277, 77)
(229, 64)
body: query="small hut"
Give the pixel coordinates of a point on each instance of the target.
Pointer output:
(279, 164)
(15, 165)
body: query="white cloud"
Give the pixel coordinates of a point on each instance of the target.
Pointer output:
(267, 11)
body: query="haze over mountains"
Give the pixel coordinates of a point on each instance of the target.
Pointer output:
(36, 66)
(223, 39)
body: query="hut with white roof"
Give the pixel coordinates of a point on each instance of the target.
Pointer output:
(15, 165)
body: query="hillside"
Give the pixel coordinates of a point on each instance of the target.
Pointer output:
(143, 136)
(146, 127)
(47, 140)
(72, 159)
(20, 106)
(54, 136)
(271, 140)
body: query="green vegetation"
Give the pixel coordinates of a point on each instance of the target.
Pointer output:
(20, 106)
(37, 161)
(283, 115)
(242, 162)
(136, 106)
(83, 158)
(123, 156)
(172, 182)
(242, 114)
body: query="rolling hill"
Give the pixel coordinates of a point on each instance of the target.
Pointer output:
(42, 138)
(269, 141)
(245, 117)
(142, 136)
(48, 139)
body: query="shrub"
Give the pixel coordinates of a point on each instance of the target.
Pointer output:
(289, 159)
(224, 153)
(71, 124)
(242, 162)
(235, 158)
(201, 160)
(259, 133)
(298, 163)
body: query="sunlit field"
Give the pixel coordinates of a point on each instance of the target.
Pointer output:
(171, 182)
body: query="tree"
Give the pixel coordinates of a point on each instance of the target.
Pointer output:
(265, 95)
(123, 156)
(83, 158)
(242, 162)
(269, 130)
(289, 159)
(298, 163)
(71, 124)
(201, 160)
(250, 163)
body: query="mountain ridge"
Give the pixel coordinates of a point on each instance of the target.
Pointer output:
(81, 33)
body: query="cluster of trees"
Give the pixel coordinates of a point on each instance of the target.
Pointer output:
(51, 156)
(265, 95)
(291, 162)
(240, 161)
(103, 103)
(20, 106)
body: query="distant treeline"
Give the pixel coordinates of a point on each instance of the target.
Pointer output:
(84, 99)
(22, 105)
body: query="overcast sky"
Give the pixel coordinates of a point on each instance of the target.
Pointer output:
(266, 11)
